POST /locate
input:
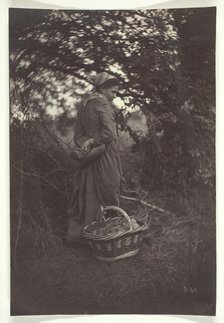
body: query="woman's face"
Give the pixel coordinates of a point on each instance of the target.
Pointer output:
(110, 93)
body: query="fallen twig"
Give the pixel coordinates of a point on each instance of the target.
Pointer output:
(152, 206)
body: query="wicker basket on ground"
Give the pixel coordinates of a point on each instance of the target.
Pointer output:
(115, 238)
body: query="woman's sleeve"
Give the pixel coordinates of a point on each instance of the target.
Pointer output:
(78, 130)
(108, 130)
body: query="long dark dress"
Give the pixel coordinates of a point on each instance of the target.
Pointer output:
(98, 183)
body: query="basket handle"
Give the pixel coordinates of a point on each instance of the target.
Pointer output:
(125, 215)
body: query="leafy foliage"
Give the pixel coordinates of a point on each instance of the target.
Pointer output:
(137, 46)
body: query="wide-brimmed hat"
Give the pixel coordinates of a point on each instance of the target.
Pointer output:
(100, 78)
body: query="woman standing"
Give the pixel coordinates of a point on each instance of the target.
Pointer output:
(96, 182)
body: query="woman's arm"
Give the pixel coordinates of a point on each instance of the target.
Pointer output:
(108, 127)
(78, 131)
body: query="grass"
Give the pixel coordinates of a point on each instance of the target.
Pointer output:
(174, 272)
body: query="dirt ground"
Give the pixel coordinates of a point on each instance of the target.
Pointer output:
(173, 273)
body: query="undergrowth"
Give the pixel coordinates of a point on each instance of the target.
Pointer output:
(174, 272)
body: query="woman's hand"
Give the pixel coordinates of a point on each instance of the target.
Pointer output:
(88, 145)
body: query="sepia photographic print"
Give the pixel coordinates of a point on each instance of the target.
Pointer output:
(112, 161)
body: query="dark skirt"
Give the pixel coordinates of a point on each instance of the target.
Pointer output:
(95, 185)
